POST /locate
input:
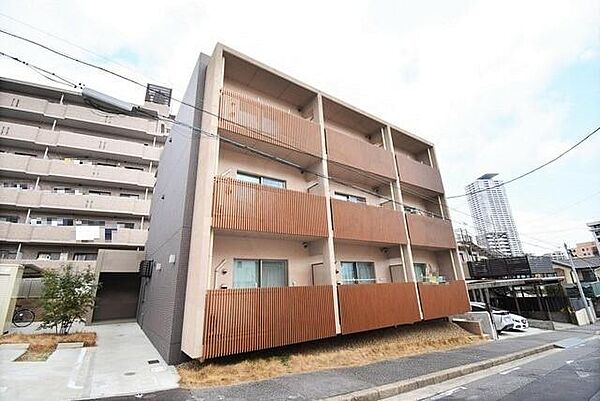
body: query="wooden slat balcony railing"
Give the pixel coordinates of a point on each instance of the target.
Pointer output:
(243, 115)
(249, 319)
(419, 174)
(244, 206)
(373, 306)
(430, 232)
(442, 300)
(360, 155)
(360, 222)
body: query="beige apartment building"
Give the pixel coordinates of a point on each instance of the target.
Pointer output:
(76, 185)
(585, 249)
(298, 217)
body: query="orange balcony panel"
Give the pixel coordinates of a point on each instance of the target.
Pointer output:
(250, 118)
(430, 232)
(361, 155)
(244, 206)
(442, 300)
(373, 306)
(419, 174)
(249, 319)
(360, 222)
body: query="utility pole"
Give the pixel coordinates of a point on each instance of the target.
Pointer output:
(576, 278)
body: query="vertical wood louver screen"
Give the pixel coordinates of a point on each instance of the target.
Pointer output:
(245, 206)
(249, 117)
(249, 319)
(373, 306)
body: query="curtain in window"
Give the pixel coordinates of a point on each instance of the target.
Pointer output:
(245, 274)
(365, 272)
(348, 273)
(273, 273)
(420, 271)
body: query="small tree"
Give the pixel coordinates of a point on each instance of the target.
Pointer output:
(67, 295)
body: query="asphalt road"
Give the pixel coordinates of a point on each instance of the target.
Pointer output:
(571, 374)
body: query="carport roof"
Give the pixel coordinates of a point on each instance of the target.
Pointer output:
(477, 284)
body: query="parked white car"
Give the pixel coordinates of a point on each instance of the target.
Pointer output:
(519, 322)
(502, 319)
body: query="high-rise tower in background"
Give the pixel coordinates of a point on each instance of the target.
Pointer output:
(492, 217)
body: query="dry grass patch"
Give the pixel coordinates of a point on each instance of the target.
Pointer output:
(42, 345)
(341, 351)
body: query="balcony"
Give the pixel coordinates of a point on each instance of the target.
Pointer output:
(418, 174)
(249, 319)
(442, 300)
(21, 106)
(70, 142)
(243, 206)
(268, 128)
(48, 264)
(352, 153)
(364, 223)
(430, 232)
(16, 232)
(67, 171)
(86, 203)
(372, 306)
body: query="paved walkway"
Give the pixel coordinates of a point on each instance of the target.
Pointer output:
(117, 365)
(316, 385)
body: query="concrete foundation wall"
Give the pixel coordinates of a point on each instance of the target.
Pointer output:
(161, 301)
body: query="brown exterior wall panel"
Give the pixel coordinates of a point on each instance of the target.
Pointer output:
(244, 206)
(353, 152)
(418, 174)
(430, 232)
(248, 319)
(442, 300)
(360, 222)
(372, 306)
(243, 115)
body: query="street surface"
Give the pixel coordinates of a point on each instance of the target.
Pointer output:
(571, 374)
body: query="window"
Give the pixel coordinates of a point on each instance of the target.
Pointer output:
(9, 219)
(254, 273)
(358, 272)
(62, 190)
(48, 256)
(256, 179)
(420, 271)
(125, 225)
(134, 168)
(108, 233)
(96, 192)
(135, 196)
(26, 154)
(85, 256)
(7, 254)
(349, 198)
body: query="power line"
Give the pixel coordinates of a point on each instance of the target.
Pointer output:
(532, 170)
(200, 131)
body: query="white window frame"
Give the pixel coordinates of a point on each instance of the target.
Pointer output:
(259, 273)
(260, 179)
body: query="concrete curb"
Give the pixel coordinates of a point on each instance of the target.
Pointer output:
(392, 389)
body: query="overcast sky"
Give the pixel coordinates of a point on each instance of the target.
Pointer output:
(497, 86)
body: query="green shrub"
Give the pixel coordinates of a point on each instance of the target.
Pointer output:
(67, 295)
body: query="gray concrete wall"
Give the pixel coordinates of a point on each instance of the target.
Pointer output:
(161, 301)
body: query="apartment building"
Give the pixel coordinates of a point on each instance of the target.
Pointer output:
(294, 217)
(492, 217)
(594, 227)
(585, 249)
(76, 185)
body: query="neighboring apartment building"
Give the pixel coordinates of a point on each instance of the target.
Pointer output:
(492, 217)
(76, 184)
(595, 229)
(303, 219)
(585, 249)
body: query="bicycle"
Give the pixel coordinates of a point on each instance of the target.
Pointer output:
(23, 317)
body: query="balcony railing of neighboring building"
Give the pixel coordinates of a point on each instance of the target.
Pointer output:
(244, 206)
(251, 118)
(26, 198)
(360, 155)
(419, 174)
(249, 319)
(373, 306)
(444, 299)
(427, 230)
(361, 222)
